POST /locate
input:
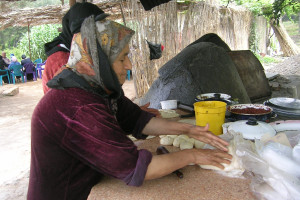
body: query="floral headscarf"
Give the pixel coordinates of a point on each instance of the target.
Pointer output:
(98, 44)
(106, 35)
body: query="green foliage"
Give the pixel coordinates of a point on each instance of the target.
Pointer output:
(253, 38)
(282, 7)
(291, 27)
(266, 59)
(39, 35)
(10, 37)
(272, 10)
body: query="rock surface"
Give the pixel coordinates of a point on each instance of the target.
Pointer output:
(200, 68)
(11, 91)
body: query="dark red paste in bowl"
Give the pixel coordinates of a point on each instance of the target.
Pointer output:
(250, 110)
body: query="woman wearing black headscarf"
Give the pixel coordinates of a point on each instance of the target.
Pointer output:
(58, 49)
(83, 137)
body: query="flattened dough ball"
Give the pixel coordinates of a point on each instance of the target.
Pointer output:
(166, 140)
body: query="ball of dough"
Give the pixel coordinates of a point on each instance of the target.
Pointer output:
(184, 144)
(234, 165)
(166, 140)
(173, 136)
(184, 137)
(191, 140)
(198, 144)
(177, 140)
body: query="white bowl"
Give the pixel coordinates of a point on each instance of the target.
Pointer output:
(168, 104)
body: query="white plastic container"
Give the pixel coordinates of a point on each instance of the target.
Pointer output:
(168, 104)
(296, 152)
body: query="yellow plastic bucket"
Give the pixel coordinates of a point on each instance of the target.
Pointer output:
(212, 113)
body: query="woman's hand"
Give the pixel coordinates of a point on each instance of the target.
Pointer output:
(211, 157)
(202, 134)
(164, 164)
(150, 110)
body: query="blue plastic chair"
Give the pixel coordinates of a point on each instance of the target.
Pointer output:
(16, 70)
(128, 75)
(39, 68)
(3, 75)
(37, 61)
(29, 69)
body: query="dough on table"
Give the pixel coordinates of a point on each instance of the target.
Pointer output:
(234, 165)
(167, 140)
(198, 144)
(177, 140)
(168, 113)
(184, 144)
(185, 137)
(132, 138)
(173, 136)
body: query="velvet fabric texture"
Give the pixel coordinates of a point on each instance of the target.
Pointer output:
(76, 140)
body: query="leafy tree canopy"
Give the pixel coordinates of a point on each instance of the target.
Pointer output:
(272, 10)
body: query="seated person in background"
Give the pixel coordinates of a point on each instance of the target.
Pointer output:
(25, 61)
(6, 60)
(3, 66)
(14, 61)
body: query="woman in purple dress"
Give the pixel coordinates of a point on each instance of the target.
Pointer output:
(80, 127)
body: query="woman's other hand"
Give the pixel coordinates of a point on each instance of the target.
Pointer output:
(164, 164)
(150, 110)
(213, 157)
(204, 135)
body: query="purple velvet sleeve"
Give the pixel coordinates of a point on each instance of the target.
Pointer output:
(94, 137)
(136, 177)
(132, 118)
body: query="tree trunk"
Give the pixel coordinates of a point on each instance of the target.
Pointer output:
(71, 3)
(287, 45)
(28, 32)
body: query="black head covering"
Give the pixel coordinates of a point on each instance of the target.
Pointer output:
(76, 13)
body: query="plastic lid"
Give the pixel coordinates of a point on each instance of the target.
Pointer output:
(251, 128)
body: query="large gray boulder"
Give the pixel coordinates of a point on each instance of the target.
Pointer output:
(200, 68)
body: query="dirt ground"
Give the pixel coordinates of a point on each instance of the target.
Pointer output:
(15, 121)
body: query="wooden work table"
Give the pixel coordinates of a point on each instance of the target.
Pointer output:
(197, 184)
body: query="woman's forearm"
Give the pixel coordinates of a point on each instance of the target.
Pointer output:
(162, 165)
(159, 126)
